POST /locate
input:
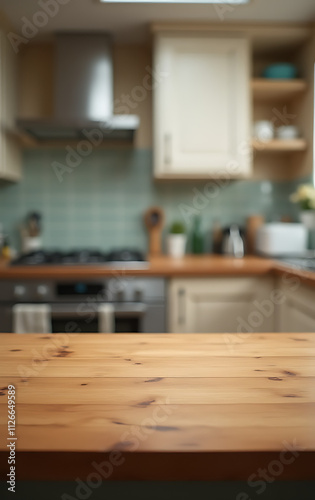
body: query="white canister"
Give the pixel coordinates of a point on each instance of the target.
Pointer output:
(281, 238)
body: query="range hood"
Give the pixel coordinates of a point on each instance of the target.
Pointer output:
(83, 94)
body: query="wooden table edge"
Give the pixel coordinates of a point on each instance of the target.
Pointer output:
(158, 466)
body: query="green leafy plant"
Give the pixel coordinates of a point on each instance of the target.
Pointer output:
(177, 228)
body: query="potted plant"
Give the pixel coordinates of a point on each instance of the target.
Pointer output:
(177, 239)
(305, 197)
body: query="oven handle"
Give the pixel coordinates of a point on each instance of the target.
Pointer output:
(135, 310)
(130, 310)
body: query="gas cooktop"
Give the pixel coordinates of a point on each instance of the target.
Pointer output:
(116, 258)
(304, 261)
(300, 263)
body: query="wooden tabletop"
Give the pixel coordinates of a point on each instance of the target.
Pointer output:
(172, 406)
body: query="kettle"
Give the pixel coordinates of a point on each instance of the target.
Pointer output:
(233, 243)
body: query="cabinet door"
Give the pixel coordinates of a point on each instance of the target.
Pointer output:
(201, 106)
(2, 104)
(297, 312)
(10, 157)
(215, 305)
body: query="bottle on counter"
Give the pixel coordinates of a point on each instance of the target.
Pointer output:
(217, 237)
(253, 223)
(197, 236)
(6, 250)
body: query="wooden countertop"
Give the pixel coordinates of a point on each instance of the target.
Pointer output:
(190, 265)
(203, 266)
(172, 406)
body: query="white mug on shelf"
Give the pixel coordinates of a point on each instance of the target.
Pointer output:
(264, 130)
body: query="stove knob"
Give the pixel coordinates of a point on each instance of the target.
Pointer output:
(42, 290)
(138, 294)
(19, 291)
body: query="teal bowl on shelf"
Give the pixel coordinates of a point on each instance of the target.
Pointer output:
(280, 70)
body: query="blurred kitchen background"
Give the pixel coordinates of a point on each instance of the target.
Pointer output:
(101, 203)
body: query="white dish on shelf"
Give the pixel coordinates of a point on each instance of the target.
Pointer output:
(287, 132)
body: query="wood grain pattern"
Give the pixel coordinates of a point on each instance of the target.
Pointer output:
(184, 395)
(162, 366)
(176, 391)
(208, 427)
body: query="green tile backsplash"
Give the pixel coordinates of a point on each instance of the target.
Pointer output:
(101, 202)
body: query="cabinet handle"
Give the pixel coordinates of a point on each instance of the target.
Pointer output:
(181, 306)
(167, 149)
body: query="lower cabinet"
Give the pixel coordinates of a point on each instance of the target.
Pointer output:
(215, 305)
(297, 311)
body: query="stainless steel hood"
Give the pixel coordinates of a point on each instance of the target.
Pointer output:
(83, 93)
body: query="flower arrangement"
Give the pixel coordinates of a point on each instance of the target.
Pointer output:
(304, 196)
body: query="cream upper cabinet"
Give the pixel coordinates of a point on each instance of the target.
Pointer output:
(297, 311)
(202, 110)
(10, 156)
(238, 305)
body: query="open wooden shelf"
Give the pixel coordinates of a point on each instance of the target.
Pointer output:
(280, 145)
(269, 88)
(197, 177)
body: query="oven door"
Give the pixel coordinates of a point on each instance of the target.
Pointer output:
(6, 320)
(129, 318)
(133, 317)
